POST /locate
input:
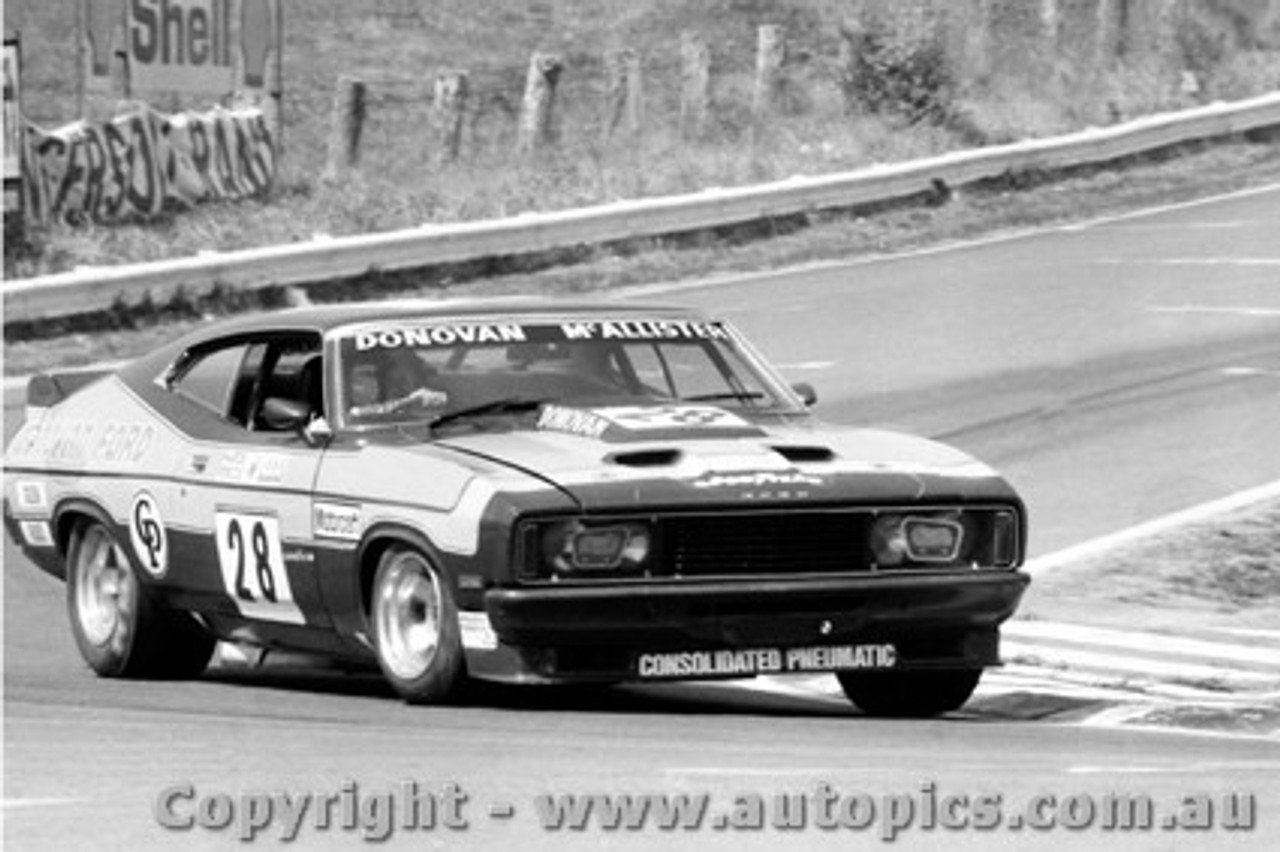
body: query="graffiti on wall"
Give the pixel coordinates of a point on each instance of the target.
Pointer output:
(139, 164)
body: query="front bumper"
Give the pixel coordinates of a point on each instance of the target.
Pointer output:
(933, 619)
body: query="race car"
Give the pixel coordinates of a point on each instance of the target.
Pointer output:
(527, 491)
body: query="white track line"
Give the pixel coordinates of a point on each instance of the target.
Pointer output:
(1097, 546)
(1155, 643)
(1147, 668)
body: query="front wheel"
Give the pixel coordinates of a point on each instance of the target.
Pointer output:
(119, 629)
(415, 625)
(909, 694)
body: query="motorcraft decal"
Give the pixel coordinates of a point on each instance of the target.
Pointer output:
(755, 661)
(336, 520)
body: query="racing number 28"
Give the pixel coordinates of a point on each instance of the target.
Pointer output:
(251, 560)
(261, 554)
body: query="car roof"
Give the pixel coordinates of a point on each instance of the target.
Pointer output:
(324, 318)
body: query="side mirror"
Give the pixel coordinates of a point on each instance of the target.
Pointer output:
(807, 394)
(285, 415)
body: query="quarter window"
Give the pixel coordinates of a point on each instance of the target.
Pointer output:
(210, 379)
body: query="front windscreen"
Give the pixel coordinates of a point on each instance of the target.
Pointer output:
(408, 372)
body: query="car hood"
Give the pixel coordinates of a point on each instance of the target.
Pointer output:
(708, 459)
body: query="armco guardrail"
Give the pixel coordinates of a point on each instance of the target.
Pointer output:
(88, 289)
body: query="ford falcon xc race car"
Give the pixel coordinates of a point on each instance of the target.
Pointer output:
(515, 491)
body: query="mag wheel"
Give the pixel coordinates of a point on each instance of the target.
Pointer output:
(415, 623)
(910, 694)
(120, 631)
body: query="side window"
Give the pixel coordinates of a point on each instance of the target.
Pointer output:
(291, 369)
(209, 381)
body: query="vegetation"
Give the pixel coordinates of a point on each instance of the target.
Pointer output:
(929, 78)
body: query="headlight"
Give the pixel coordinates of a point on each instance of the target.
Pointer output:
(896, 539)
(574, 547)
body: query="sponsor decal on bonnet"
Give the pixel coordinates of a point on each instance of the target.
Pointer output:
(757, 479)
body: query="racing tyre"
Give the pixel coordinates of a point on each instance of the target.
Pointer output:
(415, 626)
(120, 630)
(909, 694)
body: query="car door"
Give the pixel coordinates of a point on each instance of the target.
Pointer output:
(242, 494)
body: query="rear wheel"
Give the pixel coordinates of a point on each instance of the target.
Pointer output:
(415, 624)
(910, 694)
(120, 630)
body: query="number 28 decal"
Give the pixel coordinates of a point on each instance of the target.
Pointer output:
(252, 564)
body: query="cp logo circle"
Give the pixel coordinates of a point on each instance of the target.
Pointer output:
(146, 532)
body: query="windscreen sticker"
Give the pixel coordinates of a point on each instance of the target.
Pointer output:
(455, 334)
(645, 330)
(420, 337)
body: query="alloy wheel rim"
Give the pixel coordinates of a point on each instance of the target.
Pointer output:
(408, 619)
(104, 591)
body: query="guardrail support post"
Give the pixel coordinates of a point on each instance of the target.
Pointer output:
(695, 84)
(346, 125)
(537, 112)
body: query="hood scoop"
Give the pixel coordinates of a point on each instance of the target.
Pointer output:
(644, 458)
(802, 454)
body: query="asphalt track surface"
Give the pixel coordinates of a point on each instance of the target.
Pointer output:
(1114, 371)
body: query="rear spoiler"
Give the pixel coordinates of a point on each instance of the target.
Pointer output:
(46, 389)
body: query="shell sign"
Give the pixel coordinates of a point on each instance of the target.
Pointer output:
(194, 46)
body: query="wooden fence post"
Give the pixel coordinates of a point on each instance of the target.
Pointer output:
(770, 52)
(537, 112)
(624, 94)
(695, 84)
(345, 126)
(1109, 32)
(452, 91)
(853, 39)
(1050, 18)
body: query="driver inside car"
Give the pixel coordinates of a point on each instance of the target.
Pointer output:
(385, 383)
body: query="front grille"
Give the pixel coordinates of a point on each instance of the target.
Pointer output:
(770, 542)
(810, 542)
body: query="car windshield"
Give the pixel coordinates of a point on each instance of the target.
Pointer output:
(444, 371)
